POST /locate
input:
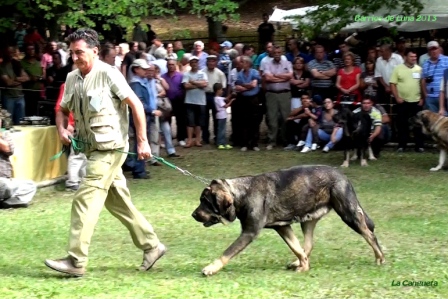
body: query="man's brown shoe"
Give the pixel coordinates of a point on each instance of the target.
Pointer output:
(150, 257)
(65, 266)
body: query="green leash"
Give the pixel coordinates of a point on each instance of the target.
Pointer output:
(79, 145)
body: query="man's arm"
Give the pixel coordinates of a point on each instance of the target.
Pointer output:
(199, 84)
(270, 78)
(285, 77)
(139, 117)
(23, 77)
(330, 73)
(6, 147)
(62, 119)
(318, 75)
(423, 86)
(9, 82)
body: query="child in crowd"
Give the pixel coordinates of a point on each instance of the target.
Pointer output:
(221, 115)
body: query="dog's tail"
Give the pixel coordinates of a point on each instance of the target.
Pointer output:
(345, 203)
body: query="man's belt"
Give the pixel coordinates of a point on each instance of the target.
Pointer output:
(278, 91)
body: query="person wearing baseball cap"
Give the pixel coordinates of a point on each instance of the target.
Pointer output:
(400, 45)
(226, 45)
(432, 76)
(147, 93)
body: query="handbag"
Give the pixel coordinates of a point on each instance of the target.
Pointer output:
(164, 105)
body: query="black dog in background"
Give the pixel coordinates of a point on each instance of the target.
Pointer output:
(357, 128)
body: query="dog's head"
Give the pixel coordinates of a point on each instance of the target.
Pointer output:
(344, 118)
(426, 119)
(216, 205)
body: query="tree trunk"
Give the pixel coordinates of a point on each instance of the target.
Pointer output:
(54, 29)
(214, 30)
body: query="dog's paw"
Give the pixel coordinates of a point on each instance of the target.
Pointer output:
(372, 158)
(212, 269)
(354, 158)
(364, 162)
(345, 164)
(380, 260)
(303, 268)
(294, 265)
(435, 168)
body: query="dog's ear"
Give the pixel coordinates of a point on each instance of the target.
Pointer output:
(224, 199)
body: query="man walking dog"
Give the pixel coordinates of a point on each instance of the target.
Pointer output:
(98, 96)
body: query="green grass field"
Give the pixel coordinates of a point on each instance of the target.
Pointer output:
(407, 203)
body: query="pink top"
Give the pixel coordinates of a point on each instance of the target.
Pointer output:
(46, 61)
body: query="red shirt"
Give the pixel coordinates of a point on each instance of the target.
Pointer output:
(71, 119)
(32, 38)
(349, 80)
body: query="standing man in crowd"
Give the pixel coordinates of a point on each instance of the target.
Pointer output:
(405, 87)
(432, 75)
(277, 74)
(103, 122)
(385, 65)
(195, 81)
(322, 72)
(265, 32)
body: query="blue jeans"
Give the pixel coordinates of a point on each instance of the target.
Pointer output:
(432, 104)
(165, 128)
(221, 138)
(15, 106)
(323, 136)
(137, 166)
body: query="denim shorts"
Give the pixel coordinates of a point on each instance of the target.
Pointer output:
(195, 115)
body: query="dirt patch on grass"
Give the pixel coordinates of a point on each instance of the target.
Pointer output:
(194, 26)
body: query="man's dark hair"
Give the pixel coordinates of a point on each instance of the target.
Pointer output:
(90, 36)
(217, 86)
(56, 54)
(248, 47)
(265, 15)
(105, 49)
(409, 51)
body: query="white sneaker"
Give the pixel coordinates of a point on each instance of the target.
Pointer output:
(182, 143)
(243, 149)
(306, 149)
(257, 149)
(314, 146)
(301, 143)
(269, 147)
(326, 149)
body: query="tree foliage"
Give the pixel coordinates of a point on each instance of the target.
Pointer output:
(333, 15)
(124, 13)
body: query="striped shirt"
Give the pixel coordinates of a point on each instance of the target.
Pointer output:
(434, 69)
(324, 65)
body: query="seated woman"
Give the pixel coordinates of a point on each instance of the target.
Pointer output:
(327, 129)
(348, 80)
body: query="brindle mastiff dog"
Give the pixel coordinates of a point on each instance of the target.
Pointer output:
(435, 126)
(276, 200)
